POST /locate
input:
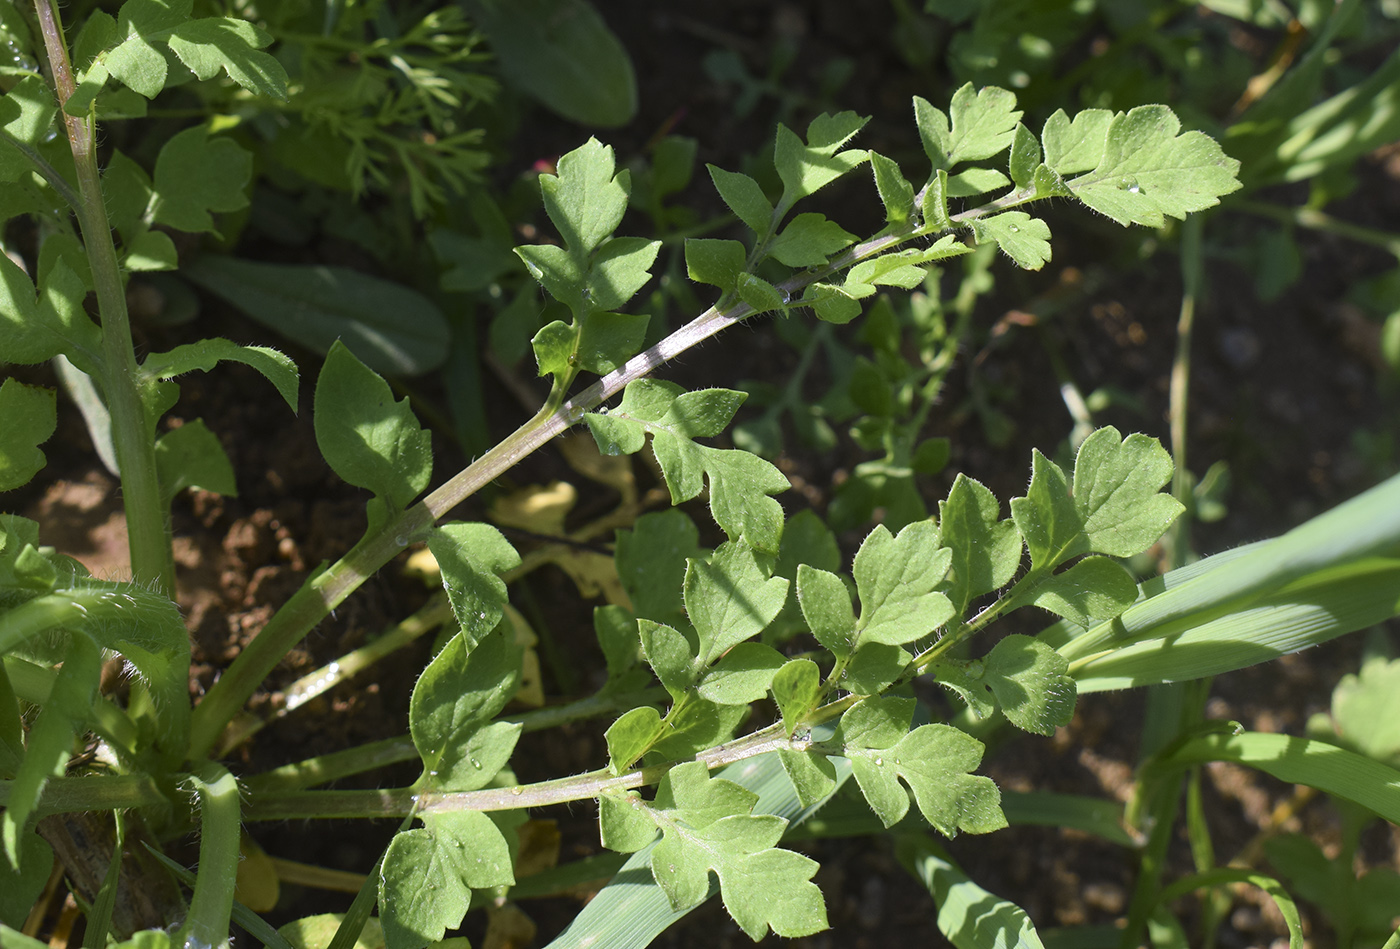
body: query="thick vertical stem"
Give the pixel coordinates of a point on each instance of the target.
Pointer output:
(149, 539)
(206, 926)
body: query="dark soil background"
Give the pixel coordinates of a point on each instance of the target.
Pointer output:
(1291, 393)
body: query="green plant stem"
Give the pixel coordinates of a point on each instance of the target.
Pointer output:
(378, 754)
(97, 792)
(216, 791)
(314, 601)
(152, 563)
(1180, 535)
(400, 802)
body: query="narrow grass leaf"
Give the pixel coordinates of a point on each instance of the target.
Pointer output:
(969, 916)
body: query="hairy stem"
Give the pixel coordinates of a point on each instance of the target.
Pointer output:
(206, 926)
(149, 539)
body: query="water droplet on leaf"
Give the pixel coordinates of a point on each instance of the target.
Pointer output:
(1014, 229)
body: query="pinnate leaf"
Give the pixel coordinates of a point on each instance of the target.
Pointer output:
(369, 439)
(806, 168)
(935, 761)
(587, 197)
(1031, 684)
(740, 483)
(1114, 508)
(979, 124)
(708, 825)
(651, 563)
(895, 578)
(1025, 157)
(1149, 172)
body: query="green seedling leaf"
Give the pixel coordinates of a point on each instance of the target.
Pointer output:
(22, 337)
(26, 115)
(651, 563)
(730, 599)
(935, 761)
(796, 688)
(460, 691)
(670, 655)
(623, 824)
(392, 329)
(1116, 485)
(211, 45)
(1025, 157)
(976, 181)
(1115, 507)
(708, 825)
(620, 268)
(718, 263)
(553, 346)
(1078, 145)
(809, 240)
(743, 675)
(192, 457)
(369, 439)
(895, 578)
(561, 53)
(740, 483)
(610, 339)
(812, 774)
(1047, 516)
(50, 740)
(630, 737)
(1023, 238)
(207, 353)
(806, 540)
(586, 198)
(874, 668)
(196, 174)
(1092, 590)
(697, 725)
(616, 630)
(934, 207)
(833, 304)
(759, 294)
(826, 605)
(1031, 684)
(428, 874)
(472, 558)
(896, 193)
(982, 124)
(805, 169)
(1148, 171)
(985, 550)
(745, 198)
(31, 415)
